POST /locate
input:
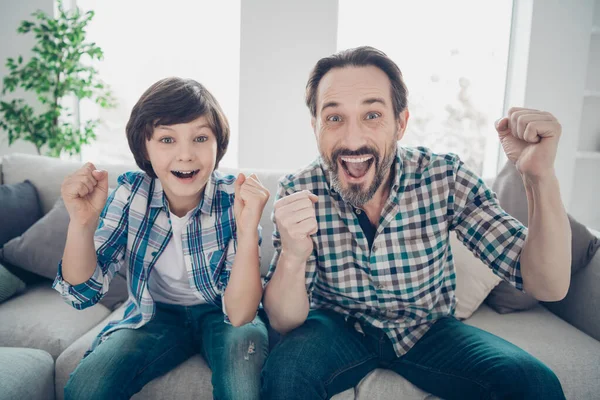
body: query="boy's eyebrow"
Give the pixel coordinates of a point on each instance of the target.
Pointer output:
(197, 128)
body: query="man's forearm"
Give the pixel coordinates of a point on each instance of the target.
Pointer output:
(286, 301)
(546, 256)
(244, 290)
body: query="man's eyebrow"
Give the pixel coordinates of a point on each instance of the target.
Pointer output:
(331, 104)
(373, 100)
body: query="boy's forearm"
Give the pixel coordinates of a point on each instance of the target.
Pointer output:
(244, 289)
(286, 301)
(79, 257)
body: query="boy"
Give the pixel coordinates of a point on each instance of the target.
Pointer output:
(190, 252)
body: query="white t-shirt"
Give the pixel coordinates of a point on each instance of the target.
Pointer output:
(169, 280)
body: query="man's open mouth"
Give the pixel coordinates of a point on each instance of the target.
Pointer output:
(357, 166)
(185, 174)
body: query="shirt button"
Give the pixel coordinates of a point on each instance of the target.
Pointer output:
(380, 287)
(358, 210)
(374, 248)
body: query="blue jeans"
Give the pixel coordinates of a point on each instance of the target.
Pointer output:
(326, 355)
(121, 365)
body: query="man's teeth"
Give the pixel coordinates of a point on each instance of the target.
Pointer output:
(356, 160)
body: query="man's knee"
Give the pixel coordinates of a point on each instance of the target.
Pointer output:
(527, 379)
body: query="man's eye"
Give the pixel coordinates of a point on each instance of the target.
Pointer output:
(334, 118)
(201, 139)
(373, 115)
(166, 140)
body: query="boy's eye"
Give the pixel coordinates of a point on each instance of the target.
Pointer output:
(201, 139)
(166, 140)
(334, 118)
(372, 115)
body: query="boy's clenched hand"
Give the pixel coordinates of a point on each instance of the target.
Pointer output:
(84, 193)
(250, 200)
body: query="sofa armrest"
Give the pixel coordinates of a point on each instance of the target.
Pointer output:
(581, 307)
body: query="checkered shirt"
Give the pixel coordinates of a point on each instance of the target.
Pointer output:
(406, 280)
(134, 230)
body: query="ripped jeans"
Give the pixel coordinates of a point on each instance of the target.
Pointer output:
(121, 365)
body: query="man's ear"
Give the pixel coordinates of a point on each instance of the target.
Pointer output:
(402, 122)
(313, 123)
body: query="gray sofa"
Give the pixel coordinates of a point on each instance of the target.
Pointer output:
(42, 339)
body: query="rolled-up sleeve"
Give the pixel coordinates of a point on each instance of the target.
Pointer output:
(110, 241)
(484, 227)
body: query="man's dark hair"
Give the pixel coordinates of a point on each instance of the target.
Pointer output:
(358, 57)
(173, 101)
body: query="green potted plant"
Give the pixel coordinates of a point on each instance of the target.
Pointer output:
(60, 68)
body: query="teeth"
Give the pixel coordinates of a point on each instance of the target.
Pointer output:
(356, 160)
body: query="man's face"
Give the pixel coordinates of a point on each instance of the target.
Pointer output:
(357, 130)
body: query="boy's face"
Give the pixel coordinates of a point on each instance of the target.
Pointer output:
(183, 156)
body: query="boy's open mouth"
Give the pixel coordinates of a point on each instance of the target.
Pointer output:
(357, 167)
(185, 174)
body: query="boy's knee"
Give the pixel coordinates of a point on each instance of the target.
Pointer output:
(82, 386)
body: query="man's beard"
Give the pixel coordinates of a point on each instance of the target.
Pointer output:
(354, 193)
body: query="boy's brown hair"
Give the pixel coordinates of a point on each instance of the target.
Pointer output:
(173, 101)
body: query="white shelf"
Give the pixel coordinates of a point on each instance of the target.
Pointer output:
(591, 93)
(588, 155)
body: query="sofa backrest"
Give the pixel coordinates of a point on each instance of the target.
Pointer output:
(47, 174)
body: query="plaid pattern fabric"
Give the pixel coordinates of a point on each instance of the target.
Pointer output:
(406, 280)
(134, 230)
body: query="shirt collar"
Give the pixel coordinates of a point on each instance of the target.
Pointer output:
(159, 200)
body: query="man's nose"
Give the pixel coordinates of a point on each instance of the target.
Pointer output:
(354, 137)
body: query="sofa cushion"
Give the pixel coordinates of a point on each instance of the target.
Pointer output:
(474, 279)
(9, 284)
(20, 208)
(571, 354)
(580, 307)
(47, 174)
(509, 188)
(41, 247)
(40, 319)
(26, 374)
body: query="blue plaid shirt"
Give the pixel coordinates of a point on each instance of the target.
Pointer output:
(406, 280)
(134, 230)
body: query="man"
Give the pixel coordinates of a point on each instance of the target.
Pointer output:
(362, 276)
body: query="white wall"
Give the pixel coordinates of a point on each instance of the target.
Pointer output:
(280, 43)
(12, 45)
(550, 56)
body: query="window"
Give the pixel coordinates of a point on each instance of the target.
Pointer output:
(453, 56)
(144, 41)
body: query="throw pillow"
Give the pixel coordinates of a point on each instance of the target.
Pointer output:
(474, 279)
(9, 284)
(513, 199)
(20, 209)
(40, 249)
